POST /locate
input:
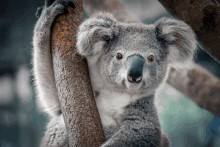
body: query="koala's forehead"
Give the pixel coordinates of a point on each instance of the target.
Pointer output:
(134, 37)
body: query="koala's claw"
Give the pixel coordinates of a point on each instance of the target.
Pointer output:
(39, 11)
(61, 7)
(48, 3)
(57, 7)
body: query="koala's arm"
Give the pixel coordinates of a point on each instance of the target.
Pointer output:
(56, 134)
(42, 59)
(141, 126)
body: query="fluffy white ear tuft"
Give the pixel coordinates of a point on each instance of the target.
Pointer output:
(95, 34)
(177, 39)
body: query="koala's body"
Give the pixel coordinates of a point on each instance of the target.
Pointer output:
(127, 64)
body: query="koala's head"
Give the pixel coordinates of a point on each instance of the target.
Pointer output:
(135, 57)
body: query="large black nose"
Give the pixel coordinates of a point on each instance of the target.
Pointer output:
(135, 64)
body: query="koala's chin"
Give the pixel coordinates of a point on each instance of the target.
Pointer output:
(134, 87)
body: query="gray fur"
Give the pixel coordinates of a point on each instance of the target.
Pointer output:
(55, 134)
(127, 110)
(42, 62)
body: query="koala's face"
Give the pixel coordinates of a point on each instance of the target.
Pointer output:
(135, 57)
(134, 60)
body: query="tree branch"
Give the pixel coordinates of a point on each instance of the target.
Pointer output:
(199, 85)
(73, 83)
(188, 81)
(204, 18)
(116, 7)
(146, 10)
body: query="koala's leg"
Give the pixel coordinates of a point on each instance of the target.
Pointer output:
(141, 126)
(42, 60)
(55, 134)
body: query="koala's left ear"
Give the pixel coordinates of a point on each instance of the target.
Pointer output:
(178, 40)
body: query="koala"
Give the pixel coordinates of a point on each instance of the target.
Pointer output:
(127, 64)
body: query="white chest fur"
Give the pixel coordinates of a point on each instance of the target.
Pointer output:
(111, 106)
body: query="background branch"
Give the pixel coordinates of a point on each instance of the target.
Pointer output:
(115, 7)
(73, 83)
(147, 10)
(199, 85)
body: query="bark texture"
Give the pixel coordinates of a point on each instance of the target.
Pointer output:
(73, 83)
(196, 82)
(204, 18)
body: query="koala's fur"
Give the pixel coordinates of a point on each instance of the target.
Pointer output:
(127, 110)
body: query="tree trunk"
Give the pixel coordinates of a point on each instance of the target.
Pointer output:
(73, 83)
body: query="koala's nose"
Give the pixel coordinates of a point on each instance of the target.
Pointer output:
(134, 79)
(135, 64)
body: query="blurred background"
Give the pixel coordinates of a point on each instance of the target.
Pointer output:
(22, 124)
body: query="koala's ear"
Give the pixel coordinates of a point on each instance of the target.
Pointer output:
(178, 40)
(94, 34)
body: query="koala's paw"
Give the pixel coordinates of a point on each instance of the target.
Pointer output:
(51, 10)
(48, 13)
(39, 11)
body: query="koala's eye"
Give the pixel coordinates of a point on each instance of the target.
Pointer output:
(119, 56)
(151, 58)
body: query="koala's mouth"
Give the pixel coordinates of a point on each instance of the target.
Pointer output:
(133, 86)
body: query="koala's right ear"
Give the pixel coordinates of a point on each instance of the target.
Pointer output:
(178, 39)
(95, 34)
